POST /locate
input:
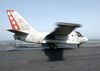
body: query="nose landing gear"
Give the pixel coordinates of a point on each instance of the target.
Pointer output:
(80, 45)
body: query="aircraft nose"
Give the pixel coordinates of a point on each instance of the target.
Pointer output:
(85, 39)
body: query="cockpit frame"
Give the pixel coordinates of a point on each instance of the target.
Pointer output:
(79, 34)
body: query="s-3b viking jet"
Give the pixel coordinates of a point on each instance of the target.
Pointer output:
(63, 34)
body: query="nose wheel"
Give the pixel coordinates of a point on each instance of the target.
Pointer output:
(80, 45)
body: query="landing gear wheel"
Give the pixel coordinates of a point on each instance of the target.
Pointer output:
(80, 45)
(55, 47)
(51, 46)
(83, 45)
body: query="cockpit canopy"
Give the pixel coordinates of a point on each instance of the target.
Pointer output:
(79, 34)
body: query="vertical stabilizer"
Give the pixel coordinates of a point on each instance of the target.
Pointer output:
(18, 23)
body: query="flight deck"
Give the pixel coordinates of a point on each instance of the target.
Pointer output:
(35, 57)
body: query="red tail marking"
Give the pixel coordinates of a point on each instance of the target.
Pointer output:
(12, 20)
(20, 20)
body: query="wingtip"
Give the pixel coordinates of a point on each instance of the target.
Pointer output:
(5, 29)
(68, 24)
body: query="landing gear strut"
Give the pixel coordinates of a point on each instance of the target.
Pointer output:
(53, 46)
(80, 45)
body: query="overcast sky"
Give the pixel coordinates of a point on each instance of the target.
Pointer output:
(43, 14)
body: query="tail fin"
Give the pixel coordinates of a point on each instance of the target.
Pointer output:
(18, 23)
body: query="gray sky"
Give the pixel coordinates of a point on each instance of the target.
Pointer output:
(42, 15)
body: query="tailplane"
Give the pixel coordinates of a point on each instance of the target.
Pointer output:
(18, 23)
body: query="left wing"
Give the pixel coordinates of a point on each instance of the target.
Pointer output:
(63, 29)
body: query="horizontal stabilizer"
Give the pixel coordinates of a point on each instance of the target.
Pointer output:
(16, 32)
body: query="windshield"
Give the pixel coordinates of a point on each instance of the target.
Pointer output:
(78, 34)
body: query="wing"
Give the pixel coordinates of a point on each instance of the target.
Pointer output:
(63, 29)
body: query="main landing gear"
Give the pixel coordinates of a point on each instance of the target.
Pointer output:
(53, 46)
(80, 45)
